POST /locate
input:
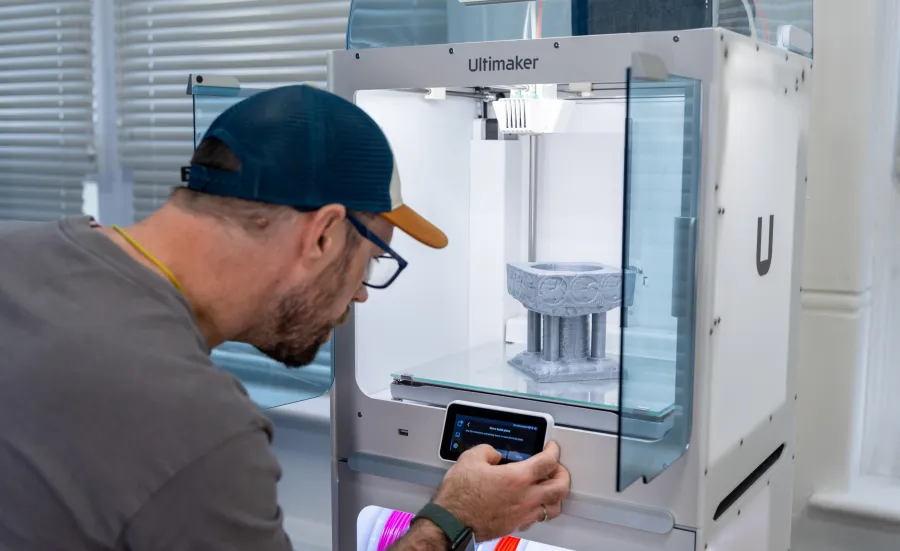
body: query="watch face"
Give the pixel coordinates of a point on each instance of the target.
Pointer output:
(468, 544)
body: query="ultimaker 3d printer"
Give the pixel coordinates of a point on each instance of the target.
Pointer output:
(624, 214)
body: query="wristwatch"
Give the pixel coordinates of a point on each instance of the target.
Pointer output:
(461, 537)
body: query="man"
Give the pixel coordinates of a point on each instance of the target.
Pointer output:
(117, 432)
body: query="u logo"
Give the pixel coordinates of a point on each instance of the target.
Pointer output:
(762, 266)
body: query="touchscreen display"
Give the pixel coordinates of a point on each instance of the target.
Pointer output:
(516, 436)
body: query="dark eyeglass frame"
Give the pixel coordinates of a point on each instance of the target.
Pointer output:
(388, 251)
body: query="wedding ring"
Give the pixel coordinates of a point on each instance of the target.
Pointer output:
(544, 518)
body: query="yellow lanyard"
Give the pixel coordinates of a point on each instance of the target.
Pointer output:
(150, 257)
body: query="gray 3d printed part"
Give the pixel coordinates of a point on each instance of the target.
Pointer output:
(567, 305)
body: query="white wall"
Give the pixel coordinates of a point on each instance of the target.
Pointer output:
(850, 156)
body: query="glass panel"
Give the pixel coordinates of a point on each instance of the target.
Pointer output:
(615, 16)
(211, 101)
(269, 383)
(374, 23)
(766, 18)
(662, 175)
(484, 314)
(377, 23)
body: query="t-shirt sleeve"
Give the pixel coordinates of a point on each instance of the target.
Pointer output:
(224, 501)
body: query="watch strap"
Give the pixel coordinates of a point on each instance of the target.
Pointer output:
(456, 531)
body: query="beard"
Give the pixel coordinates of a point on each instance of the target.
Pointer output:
(299, 329)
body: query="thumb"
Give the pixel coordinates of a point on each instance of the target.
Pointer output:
(543, 464)
(483, 453)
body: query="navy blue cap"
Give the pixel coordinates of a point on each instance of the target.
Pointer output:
(305, 148)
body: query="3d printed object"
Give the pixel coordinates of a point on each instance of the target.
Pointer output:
(567, 305)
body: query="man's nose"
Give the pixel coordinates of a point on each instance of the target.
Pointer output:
(362, 294)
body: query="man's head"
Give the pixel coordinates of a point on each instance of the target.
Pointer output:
(303, 183)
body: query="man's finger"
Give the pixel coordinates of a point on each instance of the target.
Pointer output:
(554, 510)
(561, 473)
(482, 452)
(543, 464)
(556, 488)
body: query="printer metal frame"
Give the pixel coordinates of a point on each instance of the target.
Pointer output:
(385, 451)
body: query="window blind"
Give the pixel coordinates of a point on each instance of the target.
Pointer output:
(46, 137)
(264, 43)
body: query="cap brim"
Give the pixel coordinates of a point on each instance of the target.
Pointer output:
(413, 224)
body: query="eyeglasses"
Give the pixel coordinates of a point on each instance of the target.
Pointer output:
(384, 269)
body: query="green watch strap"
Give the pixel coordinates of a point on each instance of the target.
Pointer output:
(455, 531)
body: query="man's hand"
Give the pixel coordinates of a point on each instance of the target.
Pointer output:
(497, 500)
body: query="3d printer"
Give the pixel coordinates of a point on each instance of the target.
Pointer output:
(624, 215)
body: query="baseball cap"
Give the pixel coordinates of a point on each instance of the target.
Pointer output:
(305, 148)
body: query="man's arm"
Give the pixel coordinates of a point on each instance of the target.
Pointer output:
(493, 500)
(224, 501)
(422, 536)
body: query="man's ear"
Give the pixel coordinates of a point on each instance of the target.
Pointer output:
(322, 231)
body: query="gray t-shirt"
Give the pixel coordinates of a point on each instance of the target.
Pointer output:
(116, 430)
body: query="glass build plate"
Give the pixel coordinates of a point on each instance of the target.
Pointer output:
(485, 369)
